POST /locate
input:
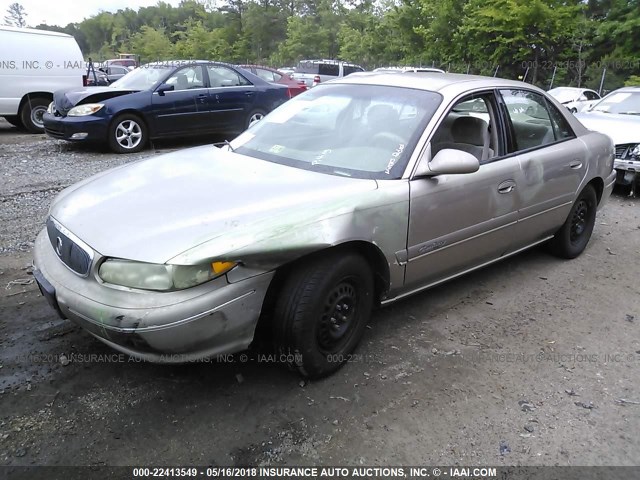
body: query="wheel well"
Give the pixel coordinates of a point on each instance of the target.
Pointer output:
(598, 184)
(29, 96)
(372, 254)
(132, 112)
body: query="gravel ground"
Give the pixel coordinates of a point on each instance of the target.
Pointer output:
(532, 361)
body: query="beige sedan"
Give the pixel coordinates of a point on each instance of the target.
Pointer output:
(352, 195)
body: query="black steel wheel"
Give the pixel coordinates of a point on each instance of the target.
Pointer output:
(322, 310)
(572, 238)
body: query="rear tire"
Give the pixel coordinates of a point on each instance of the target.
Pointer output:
(254, 117)
(31, 113)
(572, 238)
(321, 313)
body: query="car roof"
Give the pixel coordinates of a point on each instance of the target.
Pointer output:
(434, 82)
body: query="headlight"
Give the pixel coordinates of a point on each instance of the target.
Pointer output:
(86, 109)
(50, 108)
(152, 276)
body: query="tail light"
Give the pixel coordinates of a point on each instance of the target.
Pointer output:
(84, 81)
(316, 80)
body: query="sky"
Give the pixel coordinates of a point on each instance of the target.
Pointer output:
(62, 12)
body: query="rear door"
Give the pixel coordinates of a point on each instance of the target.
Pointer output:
(552, 159)
(186, 107)
(233, 98)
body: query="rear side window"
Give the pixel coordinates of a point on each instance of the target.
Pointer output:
(561, 128)
(332, 69)
(225, 77)
(530, 119)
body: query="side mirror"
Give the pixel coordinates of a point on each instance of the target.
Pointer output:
(447, 161)
(165, 87)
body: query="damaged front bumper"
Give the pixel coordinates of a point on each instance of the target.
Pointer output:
(214, 318)
(627, 170)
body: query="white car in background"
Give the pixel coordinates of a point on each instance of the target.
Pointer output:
(618, 116)
(33, 65)
(575, 99)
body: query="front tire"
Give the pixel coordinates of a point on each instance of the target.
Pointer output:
(31, 113)
(572, 238)
(321, 313)
(127, 134)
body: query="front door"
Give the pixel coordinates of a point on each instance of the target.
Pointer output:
(457, 222)
(185, 109)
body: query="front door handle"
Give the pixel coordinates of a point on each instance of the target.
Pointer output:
(249, 94)
(575, 164)
(507, 186)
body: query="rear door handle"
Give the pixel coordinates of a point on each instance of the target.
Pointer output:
(575, 164)
(507, 186)
(249, 94)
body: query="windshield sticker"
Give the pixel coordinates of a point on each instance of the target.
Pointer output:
(276, 148)
(319, 158)
(394, 158)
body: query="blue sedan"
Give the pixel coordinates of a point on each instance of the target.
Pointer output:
(160, 100)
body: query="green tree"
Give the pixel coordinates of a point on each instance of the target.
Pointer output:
(152, 44)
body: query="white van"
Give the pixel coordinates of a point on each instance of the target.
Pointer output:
(33, 65)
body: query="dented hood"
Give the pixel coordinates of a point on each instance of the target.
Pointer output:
(157, 209)
(64, 100)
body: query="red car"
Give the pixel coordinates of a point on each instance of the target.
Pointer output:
(271, 75)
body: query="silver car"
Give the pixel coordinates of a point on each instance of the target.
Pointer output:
(618, 115)
(352, 195)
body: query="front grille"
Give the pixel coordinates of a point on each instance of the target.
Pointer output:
(624, 151)
(77, 257)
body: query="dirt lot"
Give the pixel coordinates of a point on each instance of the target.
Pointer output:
(533, 361)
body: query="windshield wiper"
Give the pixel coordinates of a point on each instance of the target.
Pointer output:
(629, 113)
(226, 142)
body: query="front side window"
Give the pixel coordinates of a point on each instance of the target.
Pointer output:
(360, 131)
(530, 119)
(470, 126)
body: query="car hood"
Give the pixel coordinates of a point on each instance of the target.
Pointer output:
(65, 100)
(621, 128)
(157, 209)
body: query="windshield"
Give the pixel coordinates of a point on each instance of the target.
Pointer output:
(142, 78)
(361, 131)
(564, 95)
(625, 103)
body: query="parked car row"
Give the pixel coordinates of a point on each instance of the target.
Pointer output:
(356, 194)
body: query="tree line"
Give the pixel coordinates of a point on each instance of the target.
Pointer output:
(572, 42)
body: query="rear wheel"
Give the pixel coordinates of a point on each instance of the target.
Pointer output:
(572, 238)
(255, 116)
(322, 311)
(31, 113)
(127, 134)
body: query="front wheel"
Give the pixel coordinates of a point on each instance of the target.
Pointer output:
(322, 311)
(572, 238)
(127, 134)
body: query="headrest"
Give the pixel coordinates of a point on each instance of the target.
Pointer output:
(470, 130)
